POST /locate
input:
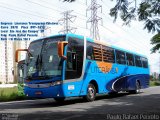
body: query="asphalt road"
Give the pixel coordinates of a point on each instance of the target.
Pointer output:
(104, 107)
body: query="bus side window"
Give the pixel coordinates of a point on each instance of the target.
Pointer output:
(97, 52)
(90, 54)
(108, 54)
(138, 61)
(94, 51)
(144, 62)
(120, 57)
(130, 59)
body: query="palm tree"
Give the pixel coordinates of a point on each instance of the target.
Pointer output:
(155, 40)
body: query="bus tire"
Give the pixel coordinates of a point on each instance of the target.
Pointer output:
(91, 93)
(59, 99)
(137, 90)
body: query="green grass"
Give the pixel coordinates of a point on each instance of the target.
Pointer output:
(154, 83)
(10, 94)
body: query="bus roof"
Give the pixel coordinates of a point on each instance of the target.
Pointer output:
(106, 44)
(94, 41)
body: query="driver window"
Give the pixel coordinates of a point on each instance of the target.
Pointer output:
(74, 62)
(71, 61)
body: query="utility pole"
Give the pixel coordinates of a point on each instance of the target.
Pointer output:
(66, 20)
(94, 18)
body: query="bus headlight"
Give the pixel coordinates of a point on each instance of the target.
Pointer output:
(56, 83)
(26, 85)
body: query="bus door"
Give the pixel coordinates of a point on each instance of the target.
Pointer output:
(74, 66)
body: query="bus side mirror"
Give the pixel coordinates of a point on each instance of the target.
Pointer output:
(61, 46)
(17, 53)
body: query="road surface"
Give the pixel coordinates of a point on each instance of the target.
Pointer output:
(104, 107)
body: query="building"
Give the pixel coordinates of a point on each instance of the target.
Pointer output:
(7, 59)
(7, 56)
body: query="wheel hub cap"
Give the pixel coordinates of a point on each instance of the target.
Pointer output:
(91, 92)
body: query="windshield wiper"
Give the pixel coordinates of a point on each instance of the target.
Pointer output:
(39, 62)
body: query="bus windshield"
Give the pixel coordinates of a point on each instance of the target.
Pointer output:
(44, 62)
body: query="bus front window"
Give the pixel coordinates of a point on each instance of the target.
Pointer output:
(35, 49)
(51, 62)
(44, 62)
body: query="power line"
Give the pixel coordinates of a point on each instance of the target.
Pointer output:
(63, 8)
(35, 15)
(21, 8)
(28, 13)
(115, 33)
(94, 31)
(118, 35)
(132, 45)
(128, 32)
(66, 20)
(56, 9)
(51, 7)
(43, 5)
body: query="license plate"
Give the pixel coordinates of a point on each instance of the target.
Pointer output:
(38, 93)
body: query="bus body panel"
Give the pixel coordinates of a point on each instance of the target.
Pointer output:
(72, 88)
(125, 77)
(117, 77)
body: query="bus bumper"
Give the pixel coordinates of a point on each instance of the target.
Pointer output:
(49, 92)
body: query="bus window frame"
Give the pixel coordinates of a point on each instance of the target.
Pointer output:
(117, 57)
(110, 48)
(66, 51)
(128, 64)
(146, 60)
(140, 61)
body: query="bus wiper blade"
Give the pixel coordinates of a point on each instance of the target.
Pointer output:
(40, 61)
(37, 61)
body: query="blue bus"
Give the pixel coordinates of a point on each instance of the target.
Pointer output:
(71, 65)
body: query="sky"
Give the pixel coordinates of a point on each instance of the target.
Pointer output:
(133, 38)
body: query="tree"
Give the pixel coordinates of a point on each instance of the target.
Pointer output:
(148, 11)
(155, 40)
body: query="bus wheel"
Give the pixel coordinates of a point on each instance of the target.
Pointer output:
(60, 99)
(137, 90)
(91, 93)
